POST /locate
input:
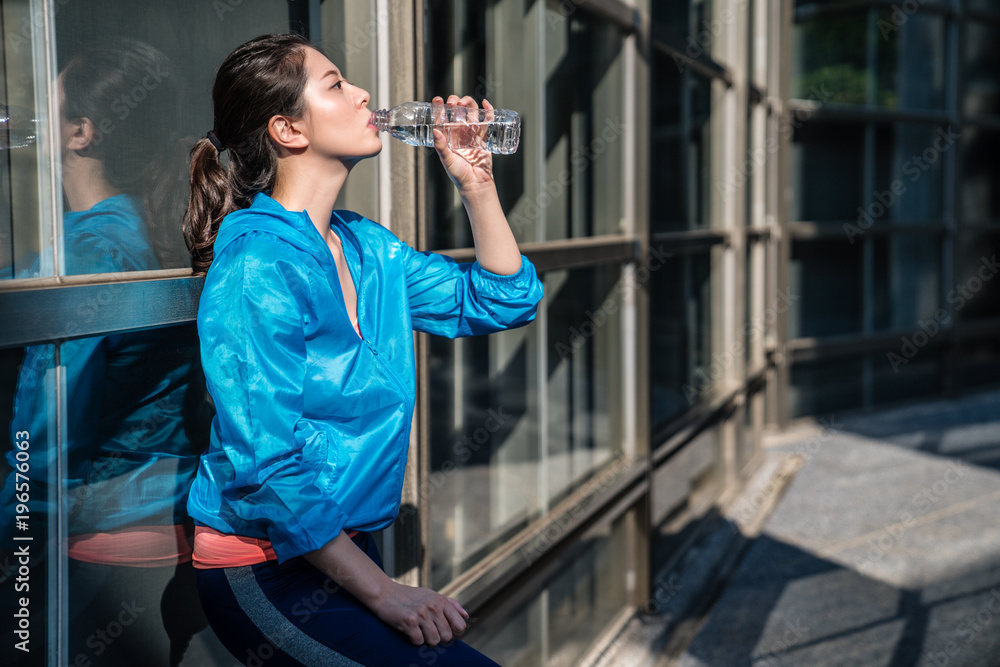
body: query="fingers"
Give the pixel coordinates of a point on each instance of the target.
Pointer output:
(440, 141)
(467, 101)
(440, 622)
(459, 607)
(454, 617)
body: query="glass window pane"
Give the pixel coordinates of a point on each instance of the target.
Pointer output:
(823, 387)
(565, 178)
(25, 179)
(907, 280)
(583, 351)
(979, 183)
(981, 60)
(909, 169)
(911, 60)
(583, 188)
(137, 417)
(680, 327)
(135, 96)
(899, 379)
(484, 481)
(683, 20)
(492, 469)
(679, 174)
(570, 608)
(818, 151)
(976, 292)
(825, 279)
(830, 56)
(980, 363)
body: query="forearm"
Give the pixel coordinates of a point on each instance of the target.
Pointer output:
(349, 567)
(420, 613)
(496, 249)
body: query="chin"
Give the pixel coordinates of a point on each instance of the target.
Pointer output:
(376, 151)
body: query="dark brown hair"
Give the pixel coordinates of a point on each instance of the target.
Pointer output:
(260, 79)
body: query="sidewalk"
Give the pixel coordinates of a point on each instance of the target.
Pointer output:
(883, 551)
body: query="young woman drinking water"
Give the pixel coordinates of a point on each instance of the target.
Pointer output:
(306, 324)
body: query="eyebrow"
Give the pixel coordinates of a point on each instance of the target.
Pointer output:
(334, 72)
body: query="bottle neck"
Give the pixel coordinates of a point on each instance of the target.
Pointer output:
(380, 119)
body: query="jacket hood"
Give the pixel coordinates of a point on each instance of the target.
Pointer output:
(267, 215)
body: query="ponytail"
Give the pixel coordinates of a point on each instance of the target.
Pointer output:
(260, 79)
(210, 201)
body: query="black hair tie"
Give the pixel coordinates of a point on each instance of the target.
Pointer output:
(215, 141)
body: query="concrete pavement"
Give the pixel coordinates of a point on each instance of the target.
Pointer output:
(884, 550)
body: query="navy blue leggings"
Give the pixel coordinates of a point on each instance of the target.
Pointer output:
(292, 614)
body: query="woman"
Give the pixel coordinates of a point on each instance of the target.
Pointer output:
(306, 323)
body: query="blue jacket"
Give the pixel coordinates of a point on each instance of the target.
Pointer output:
(312, 424)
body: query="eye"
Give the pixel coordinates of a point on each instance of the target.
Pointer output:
(338, 85)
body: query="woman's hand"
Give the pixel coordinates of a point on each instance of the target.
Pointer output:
(470, 169)
(421, 614)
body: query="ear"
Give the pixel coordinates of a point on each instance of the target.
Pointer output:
(286, 132)
(81, 135)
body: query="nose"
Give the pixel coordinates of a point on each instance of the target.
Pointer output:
(363, 98)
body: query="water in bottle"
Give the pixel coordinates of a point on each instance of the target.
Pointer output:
(493, 130)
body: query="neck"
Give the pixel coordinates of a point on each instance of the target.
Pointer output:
(311, 186)
(84, 182)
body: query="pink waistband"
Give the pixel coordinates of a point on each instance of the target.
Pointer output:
(139, 546)
(214, 549)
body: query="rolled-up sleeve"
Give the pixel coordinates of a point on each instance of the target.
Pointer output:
(256, 365)
(451, 299)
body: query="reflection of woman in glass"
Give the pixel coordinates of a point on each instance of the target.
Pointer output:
(306, 324)
(129, 397)
(121, 169)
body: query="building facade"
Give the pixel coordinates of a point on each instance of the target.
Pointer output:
(743, 212)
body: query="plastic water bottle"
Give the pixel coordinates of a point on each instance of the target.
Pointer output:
(18, 127)
(493, 130)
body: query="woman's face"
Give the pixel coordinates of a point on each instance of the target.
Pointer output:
(336, 119)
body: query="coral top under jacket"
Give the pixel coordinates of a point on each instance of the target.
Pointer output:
(313, 421)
